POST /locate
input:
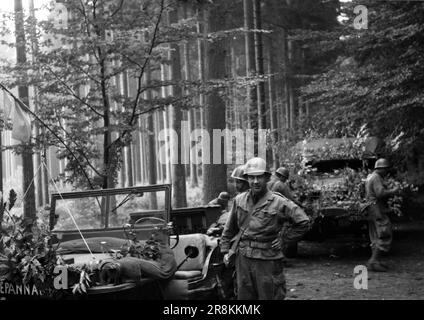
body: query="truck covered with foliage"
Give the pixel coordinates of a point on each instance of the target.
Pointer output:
(330, 184)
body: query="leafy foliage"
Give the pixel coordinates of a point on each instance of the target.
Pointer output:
(377, 78)
(90, 67)
(345, 189)
(25, 254)
(28, 257)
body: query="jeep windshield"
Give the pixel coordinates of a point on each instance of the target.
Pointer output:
(108, 209)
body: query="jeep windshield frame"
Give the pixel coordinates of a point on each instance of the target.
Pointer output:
(105, 207)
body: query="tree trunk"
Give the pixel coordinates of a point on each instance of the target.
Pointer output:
(234, 98)
(190, 112)
(27, 161)
(144, 151)
(286, 79)
(138, 154)
(129, 153)
(201, 42)
(272, 104)
(151, 149)
(37, 157)
(45, 177)
(178, 168)
(250, 63)
(157, 128)
(215, 175)
(165, 115)
(123, 171)
(293, 98)
(259, 64)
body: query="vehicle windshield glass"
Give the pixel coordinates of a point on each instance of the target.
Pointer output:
(329, 173)
(107, 209)
(334, 166)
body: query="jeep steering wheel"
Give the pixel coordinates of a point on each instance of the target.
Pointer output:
(139, 221)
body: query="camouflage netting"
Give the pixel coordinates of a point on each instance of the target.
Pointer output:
(337, 148)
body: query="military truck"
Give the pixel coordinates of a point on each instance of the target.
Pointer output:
(330, 185)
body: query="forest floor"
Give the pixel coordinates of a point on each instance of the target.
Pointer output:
(326, 270)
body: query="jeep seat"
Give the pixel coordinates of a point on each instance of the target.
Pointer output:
(193, 268)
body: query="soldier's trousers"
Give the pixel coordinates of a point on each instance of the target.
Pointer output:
(380, 229)
(259, 279)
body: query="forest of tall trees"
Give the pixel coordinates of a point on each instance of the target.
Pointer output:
(124, 83)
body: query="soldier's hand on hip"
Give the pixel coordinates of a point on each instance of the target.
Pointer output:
(276, 244)
(226, 260)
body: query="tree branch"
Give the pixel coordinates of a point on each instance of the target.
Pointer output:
(73, 93)
(117, 10)
(143, 67)
(80, 148)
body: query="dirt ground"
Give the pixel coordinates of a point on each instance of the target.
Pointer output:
(326, 270)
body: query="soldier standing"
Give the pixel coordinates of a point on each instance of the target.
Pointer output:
(256, 220)
(380, 228)
(242, 185)
(280, 184)
(241, 182)
(215, 229)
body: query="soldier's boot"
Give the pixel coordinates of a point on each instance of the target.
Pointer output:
(374, 263)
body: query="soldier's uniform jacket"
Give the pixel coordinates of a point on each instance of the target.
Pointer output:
(376, 191)
(267, 218)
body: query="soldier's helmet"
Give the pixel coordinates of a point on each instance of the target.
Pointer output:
(382, 163)
(256, 167)
(283, 172)
(224, 196)
(238, 173)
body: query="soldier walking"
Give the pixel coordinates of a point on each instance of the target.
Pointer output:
(255, 223)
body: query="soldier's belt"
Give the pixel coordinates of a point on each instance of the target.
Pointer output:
(259, 239)
(257, 244)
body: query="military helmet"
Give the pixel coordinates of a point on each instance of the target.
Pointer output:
(238, 173)
(256, 167)
(224, 196)
(382, 163)
(281, 171)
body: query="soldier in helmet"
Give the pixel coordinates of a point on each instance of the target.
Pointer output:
(380, 228)
(241, 182)
(279, 184)
(241, 185)
(255, 223)
(222, 200)
(215, 229)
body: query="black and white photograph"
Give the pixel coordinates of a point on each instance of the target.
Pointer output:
(205, 157)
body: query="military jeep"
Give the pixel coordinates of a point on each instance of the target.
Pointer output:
(123, 258)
